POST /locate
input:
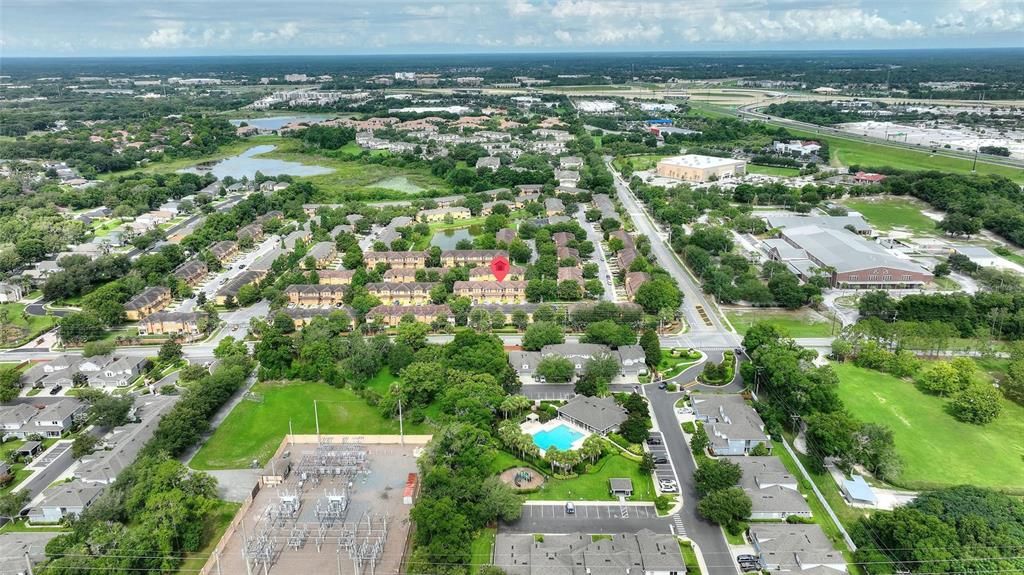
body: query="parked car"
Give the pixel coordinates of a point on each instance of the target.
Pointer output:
(663, 385)
(660, 459)
(570, 508)
(750, 567)
(746, 558)
(56, 389)
(667, 486)
(653, 441)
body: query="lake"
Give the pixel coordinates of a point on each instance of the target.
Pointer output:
(397, 184)
(446, 239)
(248, 163)
(276, 122)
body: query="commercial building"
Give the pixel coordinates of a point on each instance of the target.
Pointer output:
(849, 260)
(733, 427)
(641, 553)
(151, 300)
(694, 168)
(601, 415)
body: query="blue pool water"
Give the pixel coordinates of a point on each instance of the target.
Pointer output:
(561, 437)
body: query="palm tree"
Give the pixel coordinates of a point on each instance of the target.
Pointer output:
(553, 456)
(591, 448)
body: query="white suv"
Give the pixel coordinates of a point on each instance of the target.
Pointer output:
(667, 486)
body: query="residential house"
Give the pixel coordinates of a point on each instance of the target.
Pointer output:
(410, 274)
(633, 281)
(191, 272)
(452, 258)
(631, 358)
(562, 239)
(403, 293)
(10, 292)
(336, 277)
(440, 214)
(400, 260)
(253, 231)
(567, 178)
(484, 273)
(733, 427)
(625, 258)
(505, 236)
(391, 315)
(55, 419)
(624, 237)
(224, 251)
(488, 162)
(151, 300)
(641, 553)
(170, 323)
(324, 253)
(553, 207)
(292, 239)
(573, 274)
(567, 253)
(795, 548)
(230, 290)
(62, 500)
(772, 489)
(315, 295)
(570, 162)
(507, 291)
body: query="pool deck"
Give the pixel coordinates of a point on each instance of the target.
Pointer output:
(535, 427)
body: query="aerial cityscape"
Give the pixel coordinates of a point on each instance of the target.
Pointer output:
(538, 287)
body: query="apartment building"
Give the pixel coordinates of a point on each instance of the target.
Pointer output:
(492, 291)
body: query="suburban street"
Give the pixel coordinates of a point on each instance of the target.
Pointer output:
(600, 257)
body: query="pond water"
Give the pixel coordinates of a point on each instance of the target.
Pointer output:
(398, 184)
(276, 122)
(446, 239)
(248, 163)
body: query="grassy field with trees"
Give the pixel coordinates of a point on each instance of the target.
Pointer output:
(937, 449)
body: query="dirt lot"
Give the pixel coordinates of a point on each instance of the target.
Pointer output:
(291, 541)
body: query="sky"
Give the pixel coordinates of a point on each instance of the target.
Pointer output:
(269, 27)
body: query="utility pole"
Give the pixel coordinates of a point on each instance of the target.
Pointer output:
(316, 417)
(401, 423)
(28, 563)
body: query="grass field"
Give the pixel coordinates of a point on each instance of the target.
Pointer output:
(637, 162)
(773, 171)
(593, 486)
(800, 323)
(937, 450)
(217, 522)
(875, 155)
(482, 549)
(254, 430)
(232, 149)
(894, 213)
(30, 325)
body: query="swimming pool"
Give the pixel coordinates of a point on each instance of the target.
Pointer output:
(561, 437)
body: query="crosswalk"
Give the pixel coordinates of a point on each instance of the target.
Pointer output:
(677, 521)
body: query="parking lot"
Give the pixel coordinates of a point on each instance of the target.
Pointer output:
(589, 518)
(585, 512)
(662, 471)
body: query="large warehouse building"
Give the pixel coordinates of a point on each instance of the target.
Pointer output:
(850, 260)
(694, 168)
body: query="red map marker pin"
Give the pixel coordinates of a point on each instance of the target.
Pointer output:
(499, 267)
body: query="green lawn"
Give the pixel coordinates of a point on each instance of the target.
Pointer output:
(671, 366)
(894, 213)
(593, 486)
(254, 430)
(937, 450)
(217, 521)
(773, 171)
(638, 163)
(689, 557)
(799, 323)
(482, 549)
(29, 326)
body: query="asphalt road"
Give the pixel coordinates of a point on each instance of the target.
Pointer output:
(711, 332)
(599, 257)
(706, 535)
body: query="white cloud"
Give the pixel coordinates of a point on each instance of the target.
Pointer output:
(521, 8)
(170, 35)
(285, 32)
